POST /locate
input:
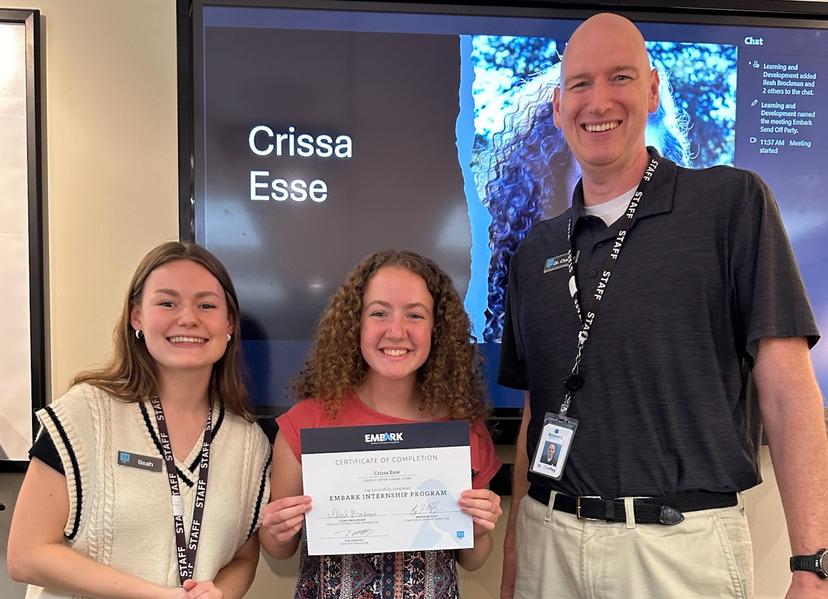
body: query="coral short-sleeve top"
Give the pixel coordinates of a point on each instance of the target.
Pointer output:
(310, 413)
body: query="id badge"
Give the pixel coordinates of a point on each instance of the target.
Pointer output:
(554, 445)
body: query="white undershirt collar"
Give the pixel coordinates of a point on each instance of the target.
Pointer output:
(611, 211)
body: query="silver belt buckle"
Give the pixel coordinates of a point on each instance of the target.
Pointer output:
(578, 505)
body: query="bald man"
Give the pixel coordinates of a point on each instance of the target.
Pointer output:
(642, 322)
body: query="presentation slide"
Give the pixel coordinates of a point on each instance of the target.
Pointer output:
(323, 136)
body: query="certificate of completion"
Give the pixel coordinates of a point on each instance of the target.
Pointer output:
(386, 488)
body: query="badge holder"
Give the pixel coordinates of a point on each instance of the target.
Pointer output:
(554, 445)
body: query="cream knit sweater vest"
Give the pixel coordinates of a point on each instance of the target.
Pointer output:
(122, 516)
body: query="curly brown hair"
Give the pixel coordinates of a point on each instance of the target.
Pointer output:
(132, 373)
(450, 378)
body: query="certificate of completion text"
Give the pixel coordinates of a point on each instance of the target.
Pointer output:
(386, 488)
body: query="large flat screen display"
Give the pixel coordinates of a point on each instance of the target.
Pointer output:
(321, 136)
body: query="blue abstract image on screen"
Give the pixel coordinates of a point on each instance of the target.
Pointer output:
(521, 166)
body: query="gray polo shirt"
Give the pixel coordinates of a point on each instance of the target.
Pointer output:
(705, 272)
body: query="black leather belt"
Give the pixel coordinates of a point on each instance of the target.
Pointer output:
(667, 509)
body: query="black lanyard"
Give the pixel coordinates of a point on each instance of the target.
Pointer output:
(574, 380)
(186, 552)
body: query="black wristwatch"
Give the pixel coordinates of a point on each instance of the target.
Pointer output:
(816, 563)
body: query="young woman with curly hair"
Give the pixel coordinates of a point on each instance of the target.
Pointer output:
(392, 346)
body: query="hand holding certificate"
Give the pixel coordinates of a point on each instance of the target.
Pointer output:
(387, 488)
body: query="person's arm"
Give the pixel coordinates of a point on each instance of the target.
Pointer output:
(37, 553)
(520, 486)
(283, 517)
(792, 412)
(484, 506)
(233, 580)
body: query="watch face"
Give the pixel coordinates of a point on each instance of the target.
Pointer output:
(822, 563)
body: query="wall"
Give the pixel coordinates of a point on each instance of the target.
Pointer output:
(111, 192)
(111, 178)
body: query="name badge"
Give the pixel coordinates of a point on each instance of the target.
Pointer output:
(142, 462)
(554, 445)
(561, 261)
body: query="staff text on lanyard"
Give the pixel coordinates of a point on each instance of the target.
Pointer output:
(574, 380)
(186, 551)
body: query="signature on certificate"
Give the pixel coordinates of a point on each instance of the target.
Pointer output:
(430, 507)
(351, 534)
(349, 513)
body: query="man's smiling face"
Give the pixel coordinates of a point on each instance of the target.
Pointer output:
(606, 94)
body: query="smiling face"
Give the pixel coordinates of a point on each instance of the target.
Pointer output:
(396, 323)
(184, 317)
(606, 93)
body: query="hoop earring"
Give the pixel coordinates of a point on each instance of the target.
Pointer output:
(139, 334)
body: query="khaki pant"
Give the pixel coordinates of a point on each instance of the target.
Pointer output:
(707, 556)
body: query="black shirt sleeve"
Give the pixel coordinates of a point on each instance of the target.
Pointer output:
(770, 294)
(512, 367)
(44, 450)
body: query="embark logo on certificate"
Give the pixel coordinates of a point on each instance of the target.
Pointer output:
(387, 488)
